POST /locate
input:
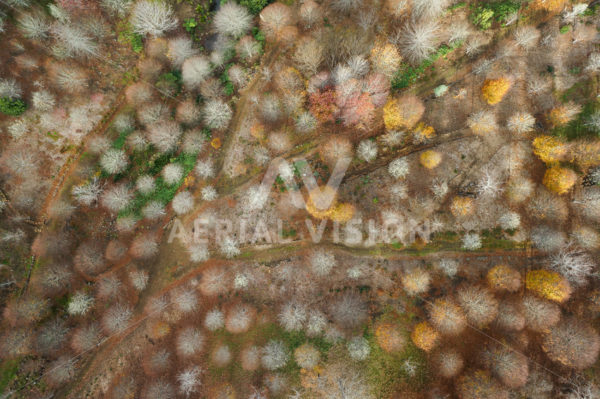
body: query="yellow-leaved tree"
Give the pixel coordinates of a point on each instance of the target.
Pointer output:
(549, 285)
(549, 149)
(494, 90)
(402, 112)
(560, 180)
(430, 159)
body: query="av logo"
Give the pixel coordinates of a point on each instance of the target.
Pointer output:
(321, 198)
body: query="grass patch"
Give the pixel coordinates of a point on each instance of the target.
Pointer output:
(387, 372)
(228, 88)
(121, 138)
(163, 192)
(259, 335)
(260, 38)
(127, 35)
(577, 128)
(170, 82)
(457, 6)
(451, 241)
(8, 373)
(408, 75)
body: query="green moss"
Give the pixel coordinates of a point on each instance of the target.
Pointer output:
(259, 335)
(190, 25)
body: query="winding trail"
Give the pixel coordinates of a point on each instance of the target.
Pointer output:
(72, 161)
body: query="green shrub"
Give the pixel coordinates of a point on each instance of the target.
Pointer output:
(590, 11)
(504, 9)
(228, 88)
(137, 44)
(169, 81)
(190, 25)
(254, 6)
(484, 15)
(260, 37)
(126, 35)
(12, 106)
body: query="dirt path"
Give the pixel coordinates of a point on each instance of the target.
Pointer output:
(71, 163)
(242, 110)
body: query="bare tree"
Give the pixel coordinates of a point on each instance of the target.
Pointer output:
(232, 19)
(189, 342)
(119, 8)
(86, 338)
(33, 25)
(144, 246)
(74, 40)
(164, 135)
(310, 12)
(239, 318)
(153, 17)
(189, 380)
(275, 355)
(274, 18)
(479, 304)
(216, 114)
(116, 198)
(116, 319)
(61, 370)
(572, 343)
(574, 264)
(428, 9)
(418, 40)
(159, 389)
(509, 366)
(349, 310)
(292, 316)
